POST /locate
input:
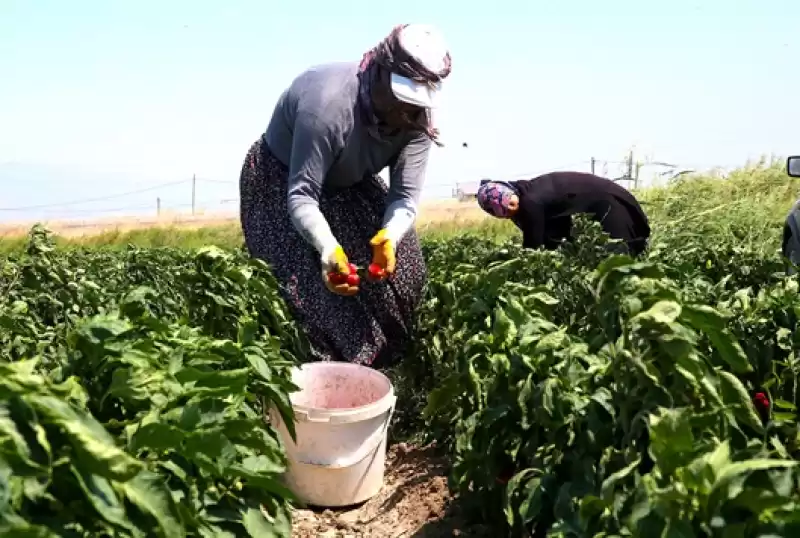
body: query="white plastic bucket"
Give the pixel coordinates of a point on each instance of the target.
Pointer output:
(342, 413)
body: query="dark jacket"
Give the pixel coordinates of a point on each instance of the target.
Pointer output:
(791, 237)
(548, 202)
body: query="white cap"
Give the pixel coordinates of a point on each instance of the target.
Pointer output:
(427, 46)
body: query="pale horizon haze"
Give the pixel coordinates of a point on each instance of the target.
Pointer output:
(101, 98)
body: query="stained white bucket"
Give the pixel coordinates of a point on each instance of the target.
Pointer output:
(342, 414)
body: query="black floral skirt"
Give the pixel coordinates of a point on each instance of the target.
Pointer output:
(373, 327)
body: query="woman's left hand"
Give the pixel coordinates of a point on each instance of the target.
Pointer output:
(383, 252)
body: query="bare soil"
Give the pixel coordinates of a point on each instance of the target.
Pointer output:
(414, 502)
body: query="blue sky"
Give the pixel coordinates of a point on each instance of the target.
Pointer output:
(99, 98)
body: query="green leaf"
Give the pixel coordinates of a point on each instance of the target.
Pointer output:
(13, 444)
(607, 488)
(783, 404)
(735, 395)
(733, 470)
(89, 438)
(101, 495)
(156, 436)
(671, 438)
(257, 524)
(709, 321)
(503, 328)
(147, 493)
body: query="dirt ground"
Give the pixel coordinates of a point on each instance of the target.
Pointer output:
(414, 502)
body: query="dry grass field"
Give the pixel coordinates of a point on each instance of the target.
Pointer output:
(440, 212)
(437, 218)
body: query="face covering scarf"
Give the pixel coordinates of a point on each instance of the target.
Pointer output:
(390, 56)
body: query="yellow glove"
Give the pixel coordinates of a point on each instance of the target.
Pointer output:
(336, 273)
(383, 252)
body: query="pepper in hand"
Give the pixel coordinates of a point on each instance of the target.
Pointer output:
(339, 274)
(383, 256)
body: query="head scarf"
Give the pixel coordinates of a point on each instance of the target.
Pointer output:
(494, 198)
(391, 56)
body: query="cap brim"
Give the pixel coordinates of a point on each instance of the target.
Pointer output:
(415, 93)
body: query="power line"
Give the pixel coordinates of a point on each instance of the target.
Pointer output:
(225, 181)
(89, 200)
(99, 210)
(51, 208)
(165, 206)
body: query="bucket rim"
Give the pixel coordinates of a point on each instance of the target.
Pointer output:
(341, 415)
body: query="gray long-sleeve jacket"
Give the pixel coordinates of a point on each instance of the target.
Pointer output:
(316, 130)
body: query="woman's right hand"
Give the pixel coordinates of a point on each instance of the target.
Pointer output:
(336, 273)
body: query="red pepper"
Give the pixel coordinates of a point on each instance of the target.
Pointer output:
(761, 401)
(376, 272)
(351, 279)
(337, 278)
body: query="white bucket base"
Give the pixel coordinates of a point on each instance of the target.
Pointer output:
(342, 414)
(319, 486)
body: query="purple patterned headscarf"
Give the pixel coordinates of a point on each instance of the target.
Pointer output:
(494, 198)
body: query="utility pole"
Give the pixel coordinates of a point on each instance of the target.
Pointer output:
(158, 207)
(592, 161)
(630, 164)
(636, 177)
(458, 190)
(194, 191)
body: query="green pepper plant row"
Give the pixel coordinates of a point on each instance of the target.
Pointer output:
(577, 393)
(132, 394)
(581, 394)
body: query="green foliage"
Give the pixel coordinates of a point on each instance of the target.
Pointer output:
(577, 393)
(583, 394)
(133, 388)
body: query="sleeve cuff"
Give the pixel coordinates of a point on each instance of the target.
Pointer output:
(309, 221)
(398, 223)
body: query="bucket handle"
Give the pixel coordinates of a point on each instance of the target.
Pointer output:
(362, 453)
(305, 416)
(378, 437)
